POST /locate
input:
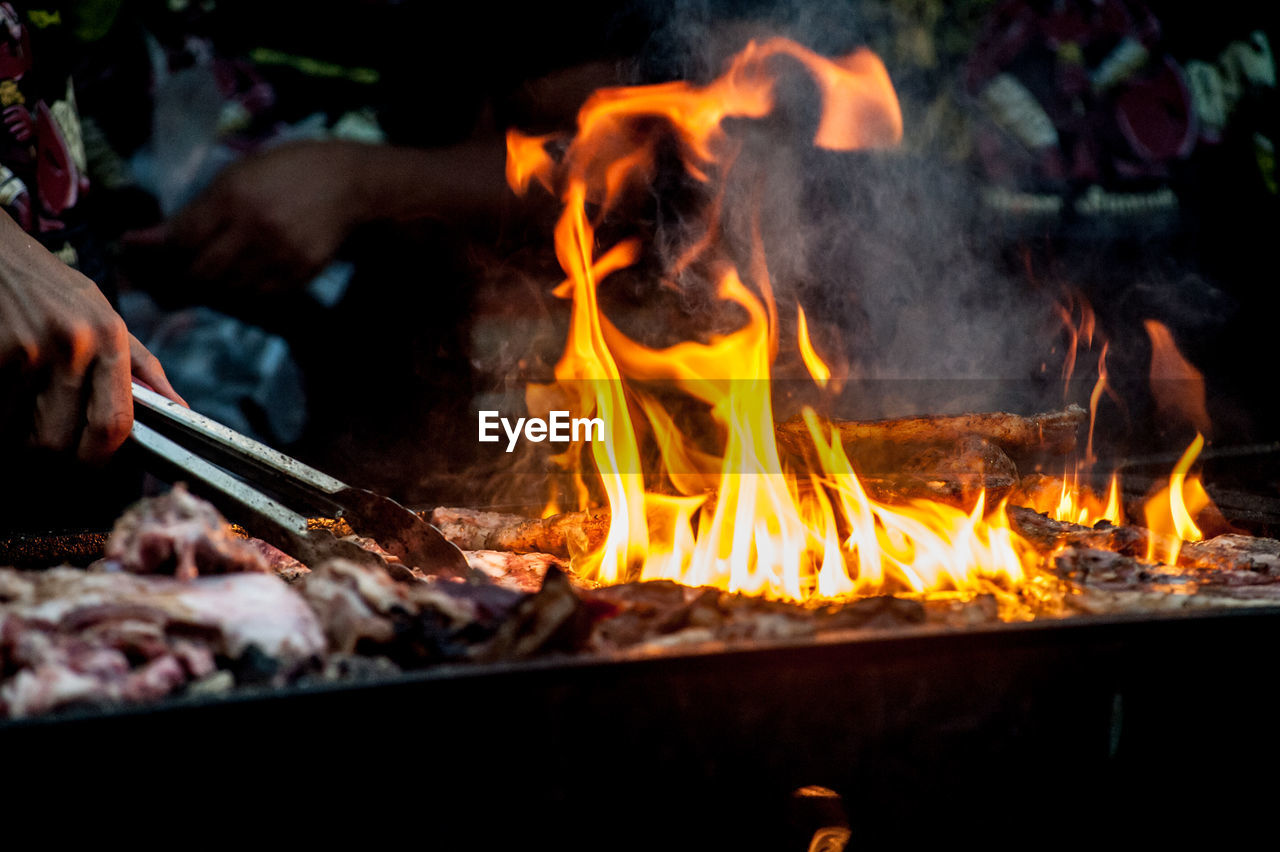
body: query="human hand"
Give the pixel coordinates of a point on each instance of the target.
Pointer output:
(70, 351)
(270, 222)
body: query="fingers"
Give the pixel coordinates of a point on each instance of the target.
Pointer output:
(108, 412)
(218, 258)
(277, 274)
(146, 368)
(198, 222)
(57, 416)
(268, 223)
(152, 237)
(85, 402)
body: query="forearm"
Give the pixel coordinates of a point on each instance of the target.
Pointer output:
(460, 184)
(360, 183)
(467, 182)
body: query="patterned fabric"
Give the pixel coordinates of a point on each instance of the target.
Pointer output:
(42, 159)
(1077, 93)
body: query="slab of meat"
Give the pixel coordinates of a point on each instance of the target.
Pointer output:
(561, 535)
(69, 636)
(955, 474)
(52, 669)
(357, 606)
(1107, 582)
(1048, 535)
(233, 612)
(554, 619)
(179, 534)
(414, 624)
(1105, 569)
(970, 458)
(523, 572)
(650, 616)
(1052, 432)
(1254, 559)
(277, 561)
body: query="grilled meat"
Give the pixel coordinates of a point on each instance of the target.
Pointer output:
(69, 636)
(1052, 432)
(175, 533)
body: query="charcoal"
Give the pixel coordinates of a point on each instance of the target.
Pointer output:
(413, 624)
(962, 612)
(219, 682)
(254, 667)
(631, 613)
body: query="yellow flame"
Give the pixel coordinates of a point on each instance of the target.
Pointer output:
(741, 521)
(1094, 398)
(1114, 511)
(588, 367)
(817, 367)
(1170, 513)
(1073, 501)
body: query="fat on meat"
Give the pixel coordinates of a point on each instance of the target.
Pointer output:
(180, 534)
(71, 637)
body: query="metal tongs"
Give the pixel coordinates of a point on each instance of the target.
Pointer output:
(252, 482)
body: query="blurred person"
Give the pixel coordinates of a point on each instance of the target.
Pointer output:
(389, 114)
(316, 194)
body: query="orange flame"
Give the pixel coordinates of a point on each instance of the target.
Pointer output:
(813, 362)
(1170, 513)
(527, 161)
(740, 521)
(739, 518)
(1094, 398)
(1078, 333)
(1075, 502)
(1177, 386)
(1114, 510)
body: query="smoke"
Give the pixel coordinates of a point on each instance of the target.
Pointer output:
(906, 297)
(691, 39)
(886, 251)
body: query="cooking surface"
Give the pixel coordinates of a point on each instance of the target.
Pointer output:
(1056, 717)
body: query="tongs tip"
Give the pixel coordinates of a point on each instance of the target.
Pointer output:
(238, 468)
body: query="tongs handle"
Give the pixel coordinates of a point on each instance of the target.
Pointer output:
(220, 455)
(281, 522)
(238, 453)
